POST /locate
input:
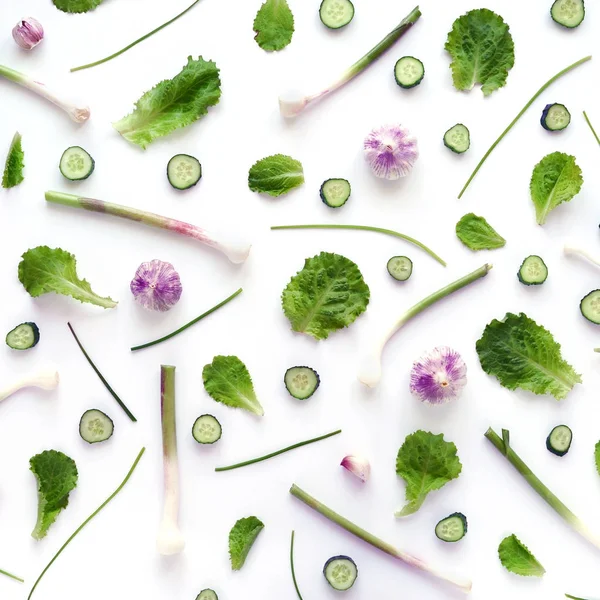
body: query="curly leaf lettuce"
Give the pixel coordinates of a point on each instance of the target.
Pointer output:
(516, 558)
(76, 6)
(274, 25)
(328, 294)
(241, 539)
(482, 51)
(13, 169)
(43, 270)
(426, 462)
(173, 103)
(275, 175)
(555, 179)
(522, 354)
(477, 234)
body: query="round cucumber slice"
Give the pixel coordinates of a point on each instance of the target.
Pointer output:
(559, 440)
(409, 72)
(457, 139)
(452, 529)
(207, 429)
(184, 171)
(400, 267)
(590, 307)
(555, 117)
(533, 271)
(335, 192)
(207, 595)
(76, 164)
(301, 382)
(336, 14)
(23, 336)
(95, 426)
(568, 13)
(340, 572)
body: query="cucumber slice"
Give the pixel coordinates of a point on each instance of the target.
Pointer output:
(184, 171)
(400, 267)
(568, 13)
(23, 336)
(76, 164)
(336, 14)
(452, 529)
(207, 429)
(555, 117)
(533, 271)
(335, 192)
(559, 440)
(95, 426)
(340, 572)
(590, 307)
(409, 72)
(301, 382)
(457, 138)
(207, 595)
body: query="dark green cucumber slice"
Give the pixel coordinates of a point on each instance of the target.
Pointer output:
(559, 440)
(336, 14)
(207, 429)
(555, 117)
(335, 192)
(409, 72)
(533, 271)
(452, 529)
(400, 267)
(23, 336)
(301, 382)
(76, 164)
(340, 572)
(457, 138)
(184, 171)
(568, 13)
(207, 595)
(95, 426)
(590, 307)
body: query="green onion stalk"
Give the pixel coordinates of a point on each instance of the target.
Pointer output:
(292, 104)
(7, 574)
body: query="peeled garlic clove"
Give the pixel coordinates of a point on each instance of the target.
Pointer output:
(358, 466)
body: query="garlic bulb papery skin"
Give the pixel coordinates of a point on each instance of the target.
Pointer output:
(28, 33)
(156, 285)
(391, 151)
(358, 466)
(438, 376)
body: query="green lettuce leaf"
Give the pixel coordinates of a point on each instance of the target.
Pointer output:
(597, 457)
(241, 538)
(275, 175)
(482, 51)
(13, 169)
(328, 294)
(173, 103)
(516, 558)
(227, 380)
(43, 270)
(477, 234)
(426, 462)
(274, 25)
(76, 6)
(522, 354)
(555, 179)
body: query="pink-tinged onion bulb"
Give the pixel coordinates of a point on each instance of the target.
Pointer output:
(358, 466)
(28, 33)
(156, 285)
(391, 151)
(438, 376)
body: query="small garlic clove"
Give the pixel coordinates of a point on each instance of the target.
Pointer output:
(156, 285)
(391, 151)
(28, 33)
(358, 466)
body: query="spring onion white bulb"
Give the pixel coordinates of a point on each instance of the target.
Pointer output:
(46, 379)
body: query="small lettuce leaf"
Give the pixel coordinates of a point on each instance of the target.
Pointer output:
(477, 234)
(76, 6)
(555, 179)
(275, 175)
(597, 457)
(482, 51)
(516, 558)
(43, 270)
(173, 103)
(328, 294)
(13, 169)
(227, 380)
(522, 354)
(274, 25)
(241, 538)
(426, 462)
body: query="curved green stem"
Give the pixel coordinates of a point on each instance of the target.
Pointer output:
(144, 37)
(591, 126)
(11, 576)
(514, 121)
(292, 567)
(367, 228)
(278, 452)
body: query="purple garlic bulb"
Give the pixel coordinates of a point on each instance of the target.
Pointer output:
(438, 376)
(156, 285)
(28, 33)
(391, 151)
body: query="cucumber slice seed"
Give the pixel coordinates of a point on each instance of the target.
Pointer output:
(568, 13)
(207, 595)
(76, 164)
(336, 14)
(340, 572)
(457, 139)
(409, 72)
(555, 117)
(400, 267)
(23, 336)
(533, 271)
(95, 426)
(452, 529)
(335, 192)
(207, 429)
(559, 440)
(590, 307)
(184, 171)
(301, 382)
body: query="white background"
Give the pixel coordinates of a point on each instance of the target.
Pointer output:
(115, 555)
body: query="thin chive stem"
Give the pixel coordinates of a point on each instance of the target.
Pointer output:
(11, 576)
(514, 121)
(106, 384)
(187, 325)
(573, 597)
(292, 567)
(367, 228)
(111, 497)
(278, 452)
(144, 37)
(591, 126)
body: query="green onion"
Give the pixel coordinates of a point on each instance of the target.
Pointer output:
(292, 567)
